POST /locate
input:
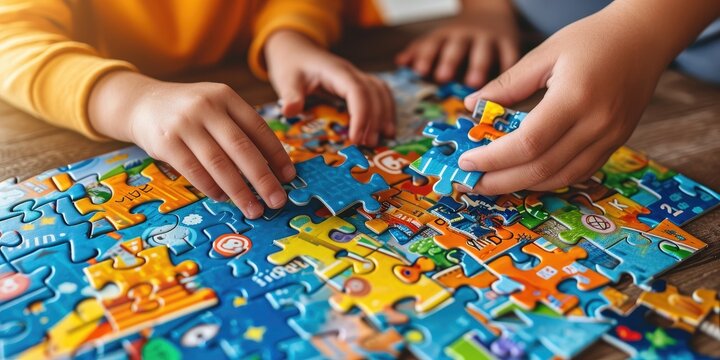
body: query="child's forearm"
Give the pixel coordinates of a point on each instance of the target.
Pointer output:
(668, 26)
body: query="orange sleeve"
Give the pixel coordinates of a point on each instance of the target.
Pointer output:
(317, 19)
(42, 70)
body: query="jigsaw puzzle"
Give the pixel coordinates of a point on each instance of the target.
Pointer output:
(378, 255)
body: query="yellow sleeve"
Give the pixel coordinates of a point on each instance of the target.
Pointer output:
(42, 70)
(317, 19)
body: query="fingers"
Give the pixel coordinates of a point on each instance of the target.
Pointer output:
(255, 128)
(224, 171)
(425, 53)
(517, 83)
(480, 60)
(545, 167)
(532, 139)
(249, 160)
(452, 54)
(372, 128)
(580, 168)
(349, 86)
(387, 126)
(508, 54)
(189, 166)
(291, 90)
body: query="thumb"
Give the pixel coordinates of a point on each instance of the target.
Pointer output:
(517, 83)
(291, 90)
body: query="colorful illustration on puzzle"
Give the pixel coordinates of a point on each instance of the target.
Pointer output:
(377, 255)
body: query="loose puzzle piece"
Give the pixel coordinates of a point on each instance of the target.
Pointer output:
(442, 161)
(335, 186)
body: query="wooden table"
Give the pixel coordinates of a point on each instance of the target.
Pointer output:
(680, 129)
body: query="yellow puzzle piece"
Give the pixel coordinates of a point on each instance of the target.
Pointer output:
(320, 244)
(148, 293)
(378, 290)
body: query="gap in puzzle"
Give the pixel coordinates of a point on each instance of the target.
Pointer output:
(377, 256)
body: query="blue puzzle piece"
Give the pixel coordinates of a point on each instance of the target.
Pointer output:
(640, 256)
(100, 165)
(443, 326)
(444, 165)
(19, 239)
(679, 199)
(641, 339)
(542, 335)
(335, 186)
(239, 326)
(480, 205)
(455, 89)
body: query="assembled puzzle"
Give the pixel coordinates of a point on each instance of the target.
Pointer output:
(377, 255)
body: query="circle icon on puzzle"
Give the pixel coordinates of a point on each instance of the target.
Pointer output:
(598, 224)
(230, 245)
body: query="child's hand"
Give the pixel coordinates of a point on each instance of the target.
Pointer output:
(600, 74)
(486, 32)
(204, 130)
(298, 67)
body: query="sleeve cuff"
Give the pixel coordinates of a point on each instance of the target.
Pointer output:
(63, 88)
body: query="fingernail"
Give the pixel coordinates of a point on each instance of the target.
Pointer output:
(277, 199)
(253, 210)
(222, 198)
(288, 172)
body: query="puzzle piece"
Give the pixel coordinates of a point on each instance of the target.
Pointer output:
(402, 210)
(625, 167)
(19, 239)
(332, 332)
(542, 335)
(639, 338)
(173, 194)
(236, 328)
(496, 116)
(329, 246)
(443, 162)
(334, 186)
(539, 284)
(376, 291)
(429, 335)
(678, 199)
(148, 292)
(686, 312)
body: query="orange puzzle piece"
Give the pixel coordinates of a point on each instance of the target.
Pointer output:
(686, 312)
(173, 194)
(540, 283)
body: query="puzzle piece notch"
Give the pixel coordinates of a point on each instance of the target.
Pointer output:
(335, 186)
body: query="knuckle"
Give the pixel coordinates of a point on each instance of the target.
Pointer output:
(241, 194)
(530, 146)
(219, 89)
(504, 80)
(218, 162)
(568, 178)
(241, 144)
(539, 171)
(266, 181)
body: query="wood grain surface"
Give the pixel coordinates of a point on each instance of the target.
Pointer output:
(680, 129)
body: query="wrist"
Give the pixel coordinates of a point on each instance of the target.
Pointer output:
(112, 100)
(283, 42)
